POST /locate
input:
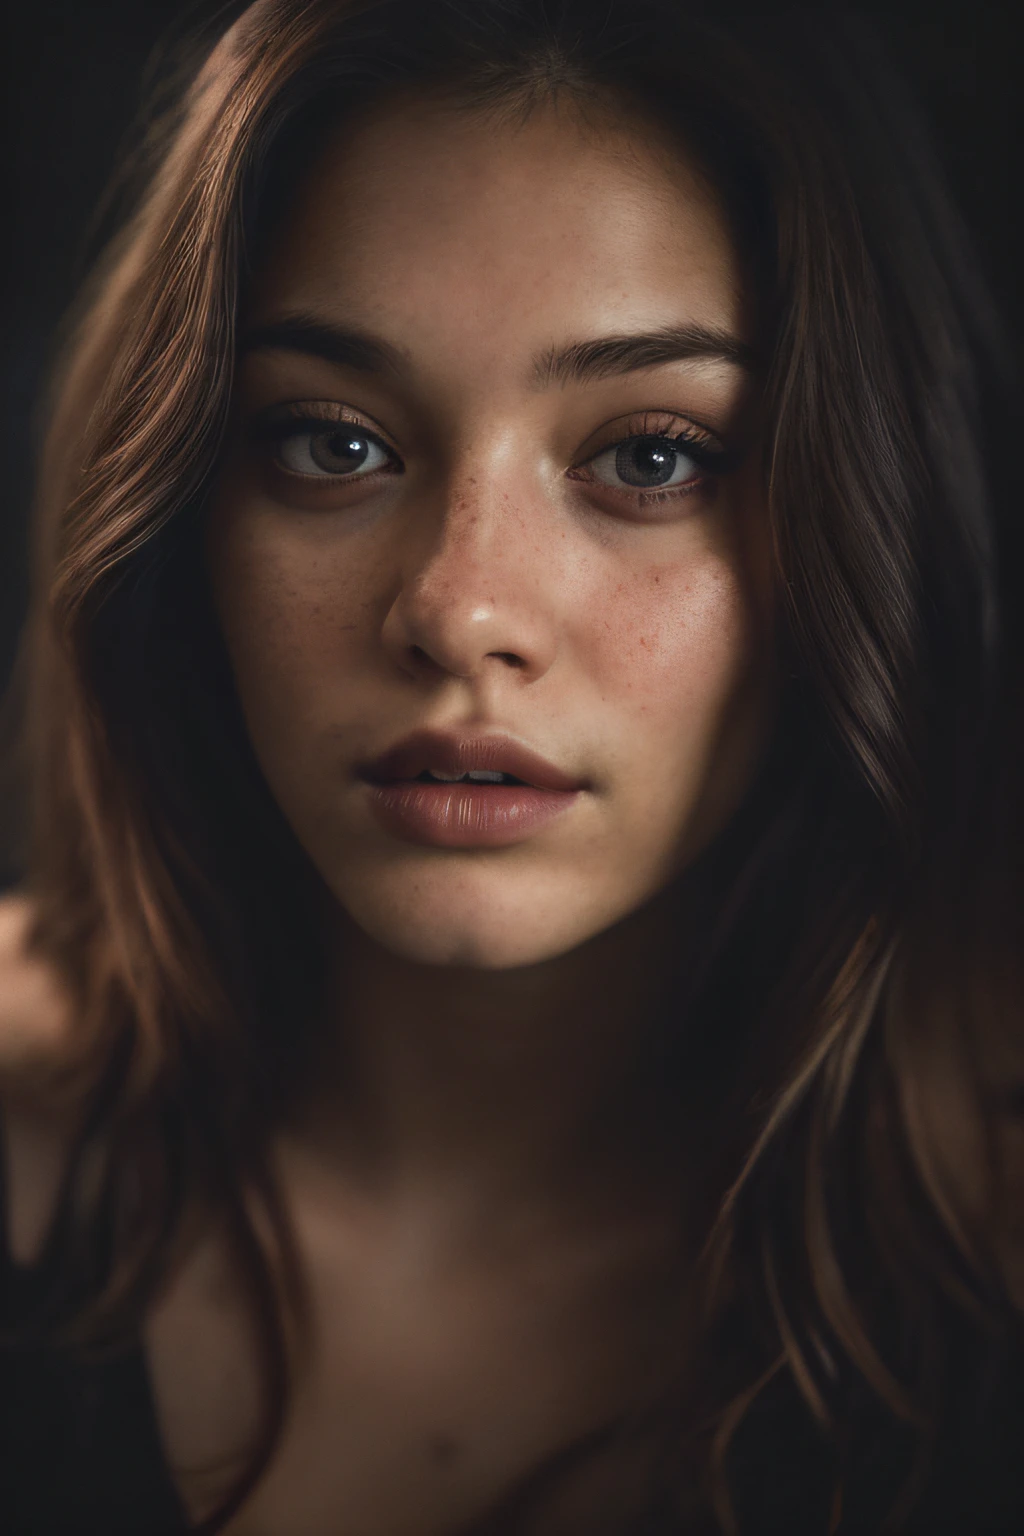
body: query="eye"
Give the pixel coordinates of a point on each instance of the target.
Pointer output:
(645, 464)
(335, 450)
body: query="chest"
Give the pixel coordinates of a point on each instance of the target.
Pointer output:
(426, 1389)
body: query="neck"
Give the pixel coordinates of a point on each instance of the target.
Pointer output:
(540, 1084)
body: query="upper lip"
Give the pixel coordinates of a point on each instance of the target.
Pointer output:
(456, 753)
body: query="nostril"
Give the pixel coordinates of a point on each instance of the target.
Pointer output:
(423, 658)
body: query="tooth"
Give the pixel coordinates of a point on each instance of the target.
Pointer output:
(445, 778)
(486, 775)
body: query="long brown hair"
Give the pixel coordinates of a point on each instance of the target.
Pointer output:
(858, 980)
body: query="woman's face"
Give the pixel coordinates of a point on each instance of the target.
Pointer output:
(493, 479)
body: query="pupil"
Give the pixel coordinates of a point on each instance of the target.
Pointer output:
(645, 461)
(339, 450)
(350, 450)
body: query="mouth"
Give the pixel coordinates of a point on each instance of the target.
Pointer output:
(437, 757)
(466, 792)
(474, 776)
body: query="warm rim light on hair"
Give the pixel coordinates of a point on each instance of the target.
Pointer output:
(861, 893)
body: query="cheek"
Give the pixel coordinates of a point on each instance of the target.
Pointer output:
(676, 638)
(685, 654)
(290, 611)
(685, 649)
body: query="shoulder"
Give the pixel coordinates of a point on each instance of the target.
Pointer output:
(34, 1010)
(34, 1028)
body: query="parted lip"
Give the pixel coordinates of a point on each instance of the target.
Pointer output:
(456, 753)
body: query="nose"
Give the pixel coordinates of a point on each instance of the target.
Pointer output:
(476, 590)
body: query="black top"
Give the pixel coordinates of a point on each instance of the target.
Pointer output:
(80, 1453)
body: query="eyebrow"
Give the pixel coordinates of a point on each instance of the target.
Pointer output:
(582, 361)
(344, 348)
(578, 362)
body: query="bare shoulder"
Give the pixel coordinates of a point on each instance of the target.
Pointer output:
(33, 1008)
(34, 1020)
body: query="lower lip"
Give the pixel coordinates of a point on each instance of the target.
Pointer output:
(466, 815)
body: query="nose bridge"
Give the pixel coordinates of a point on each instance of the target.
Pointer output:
(480, 525)
(472, 588)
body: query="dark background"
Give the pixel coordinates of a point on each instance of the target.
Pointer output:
(76, 72)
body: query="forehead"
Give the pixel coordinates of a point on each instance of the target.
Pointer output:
(443, 227)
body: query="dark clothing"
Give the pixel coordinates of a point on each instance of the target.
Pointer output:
(80, 1453)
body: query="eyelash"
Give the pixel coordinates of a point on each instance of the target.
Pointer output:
(302, 419)
(697, 444)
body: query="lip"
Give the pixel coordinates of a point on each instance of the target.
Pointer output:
(466, 815)
(453, 753)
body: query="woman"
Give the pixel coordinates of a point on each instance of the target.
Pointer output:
(510, 1020)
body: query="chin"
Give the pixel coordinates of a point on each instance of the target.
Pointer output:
(471, 928)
